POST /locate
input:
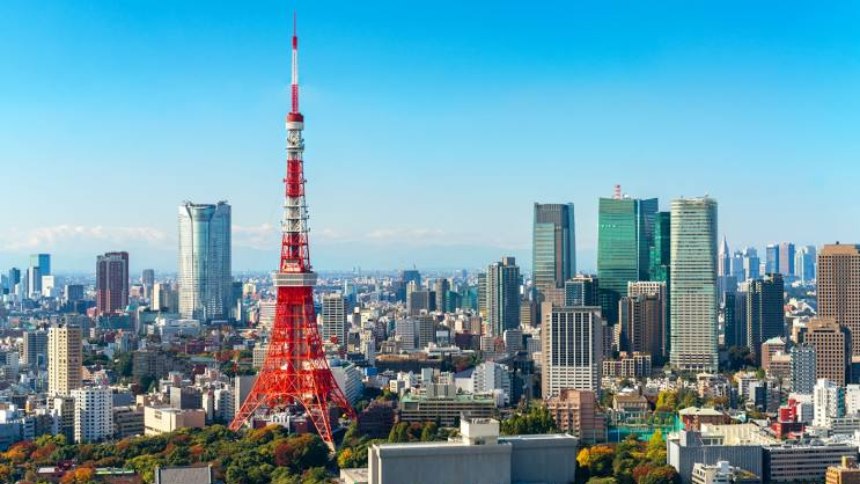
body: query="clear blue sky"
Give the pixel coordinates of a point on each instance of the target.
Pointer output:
(431, 128)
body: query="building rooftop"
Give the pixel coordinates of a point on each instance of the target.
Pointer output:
(183, 475)
(699, 412)
(462, 397)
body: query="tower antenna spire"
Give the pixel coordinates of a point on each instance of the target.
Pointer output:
(294, 87)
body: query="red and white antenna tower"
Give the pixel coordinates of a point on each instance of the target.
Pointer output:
(617, 194)
(295, 371)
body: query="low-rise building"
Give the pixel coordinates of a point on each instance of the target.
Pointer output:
(446, 410)
(160, 420)
(722, 473)
(481, 456)
(804, 463)
(845, 473)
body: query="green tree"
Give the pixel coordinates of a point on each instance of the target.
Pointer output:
(428, 432)
(662, 475)
(656, 451)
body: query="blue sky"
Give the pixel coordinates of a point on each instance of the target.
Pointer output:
(431, 128)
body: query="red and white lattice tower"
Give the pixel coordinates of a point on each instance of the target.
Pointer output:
(295, 371)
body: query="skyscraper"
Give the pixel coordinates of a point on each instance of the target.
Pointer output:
(839, 288)
(112, 282)
(503, 295)
(693, 291)
(765, 310)
(572, 349)
(64, 359)
(35, 348)
(752, 263)
(648, 311)
(786, 259)
(624, 227)
(832, 345)
(582, 290)
(205, 279)
(724, 260)
(334, 319)
(553, 250)
(804, 263)
(661, 247)
(772, 259)
(147, 279)
(43, 262)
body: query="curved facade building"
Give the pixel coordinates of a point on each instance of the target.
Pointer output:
(205, 277)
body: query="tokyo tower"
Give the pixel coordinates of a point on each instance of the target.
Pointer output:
(295, 371)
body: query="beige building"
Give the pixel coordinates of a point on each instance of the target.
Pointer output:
(832, 349)
(572, 351)
(160, 420)
(64, 359)
(838, 282)
(845, 473)
(577, 412)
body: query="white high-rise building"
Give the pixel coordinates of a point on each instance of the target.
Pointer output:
(205, 280)
(804, 263)
(334, 319)
(64, 359)
(829, 402)
(93, 413)
(489, 377)
(572, 348)
(852, 399)
(693, 292)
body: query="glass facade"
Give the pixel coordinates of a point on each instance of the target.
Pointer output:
(205, 279)
(553, 249)
(693, 291)
(625, 234)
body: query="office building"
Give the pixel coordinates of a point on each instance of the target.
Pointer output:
(772, 259)
(112, 282)
(425, 330)
(445, 409)
(164, 298)
(503, 296)
(147, 280)
(34, 349)
(205, 280)
(572, 349)
(803, 462)
(660, 252)
(641, 320)
(752, 263)
(625, 236)
(582, 290)
(786, 259)
(479, 456)
(656, 325)
(442, 287)
(64, 359)
(688, 447)
(804, 263)
(93, 414)
(553, 250)
(765, 305)
(735, 318)
(334, 319)
(722, 473)
(832, 345)
(693, 291)
(839, 288)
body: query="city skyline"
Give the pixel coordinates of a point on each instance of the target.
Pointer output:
(758, 99)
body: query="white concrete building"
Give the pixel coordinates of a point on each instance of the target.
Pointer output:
(93, 413)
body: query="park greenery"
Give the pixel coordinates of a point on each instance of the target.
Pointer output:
(266, 455)
(628, 462)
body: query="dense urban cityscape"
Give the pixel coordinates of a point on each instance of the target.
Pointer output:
(681, 359)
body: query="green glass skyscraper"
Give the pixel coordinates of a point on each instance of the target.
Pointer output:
(625, 236)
